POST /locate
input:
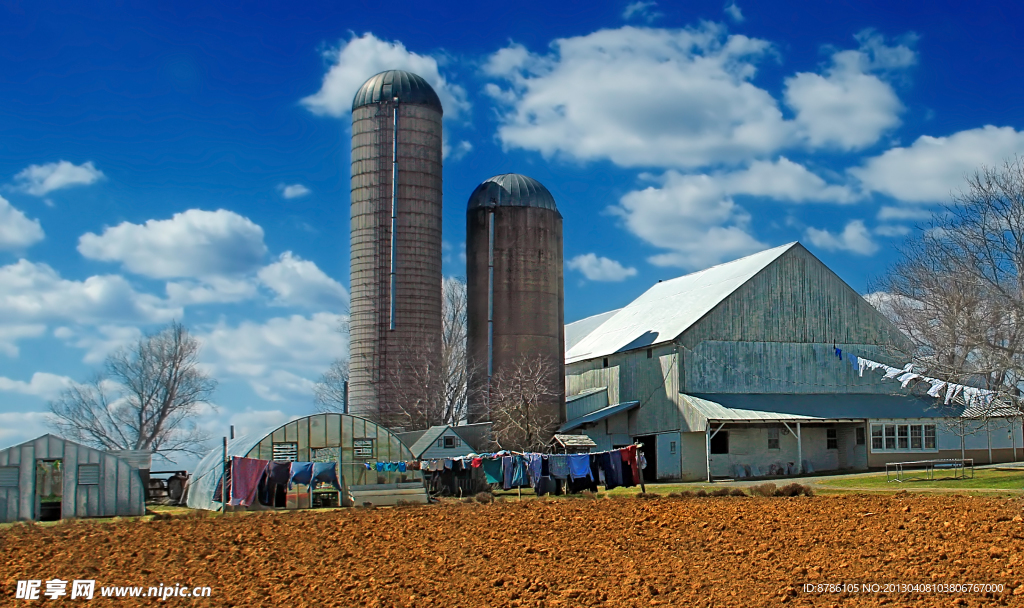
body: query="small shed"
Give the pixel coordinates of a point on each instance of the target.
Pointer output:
(51, 478)
(572, 444)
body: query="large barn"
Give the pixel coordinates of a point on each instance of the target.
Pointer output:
(732, 371)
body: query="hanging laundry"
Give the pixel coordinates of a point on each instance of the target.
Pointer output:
(612, 475)
(579, 466)
(278, 474)
(492, 470)
(907, 379)
(629, 458)
(325, 472)
(506, 472)
(642, 460)
(558, 464)
(301, 472)
(839, 353)
(402, 467)
(246, 474)
(627, 471)
(476, 462)
(892, 372)
(952, 390)
(853, 360)
(937, 386)
(534, 464)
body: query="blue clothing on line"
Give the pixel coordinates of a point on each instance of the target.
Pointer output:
(326, 472)
(558, 465)
(535, 464)
(579, 466)
(301, 472)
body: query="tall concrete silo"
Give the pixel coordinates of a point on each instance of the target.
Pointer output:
(514, 280)
(395, 325)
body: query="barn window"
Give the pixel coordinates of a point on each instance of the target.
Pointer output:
(720, 443)
(831, 439)
(860, 435)
(773, 439)
(671, 447)
(88, 474)
(604, 362)
(452, 442)
(650, 353)
(8, 477)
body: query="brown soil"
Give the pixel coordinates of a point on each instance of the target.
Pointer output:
(607, 552)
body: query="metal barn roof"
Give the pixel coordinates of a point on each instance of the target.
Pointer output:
(810, 408)
(576, 331)
(669, 308)
(600, 414)
(406, 86)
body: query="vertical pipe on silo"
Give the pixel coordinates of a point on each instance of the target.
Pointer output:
(490, 298)
(394, 212)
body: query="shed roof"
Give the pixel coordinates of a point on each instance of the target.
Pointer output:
(669, 308)
(574, 441)
(809, 408)
(600, 414)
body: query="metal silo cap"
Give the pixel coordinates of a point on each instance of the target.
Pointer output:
(511, 190)
(405, 86)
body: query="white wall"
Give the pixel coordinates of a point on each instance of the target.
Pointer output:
(435, 452)
(694, 463)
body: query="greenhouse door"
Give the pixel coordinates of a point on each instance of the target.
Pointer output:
(49, 489)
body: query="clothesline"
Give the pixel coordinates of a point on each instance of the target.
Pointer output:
(971, 396)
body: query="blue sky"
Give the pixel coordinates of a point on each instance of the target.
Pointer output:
(192, 162)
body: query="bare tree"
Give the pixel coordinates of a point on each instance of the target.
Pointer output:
(147, 398)
(523, 405)
(330, 392)
(958, 292)
(426, 394)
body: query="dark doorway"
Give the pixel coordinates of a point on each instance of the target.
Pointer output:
(720, 443)
(650, 451)
(50, 488)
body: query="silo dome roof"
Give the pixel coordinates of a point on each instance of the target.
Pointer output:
(406, 86)
(512, 190)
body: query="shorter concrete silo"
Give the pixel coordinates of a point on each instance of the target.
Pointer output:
(514, 280)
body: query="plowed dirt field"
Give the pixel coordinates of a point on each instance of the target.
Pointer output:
(607, 552)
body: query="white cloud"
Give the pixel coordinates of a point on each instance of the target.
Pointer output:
(600, 268)
(640, 97)
(855, 238)
(18, 427)
(42, 385)
(461, 149)
(891, 230)
(211, 290)
(283, 356)
(10, 334)
(932, 168)
(31, 292)
(39, 180)
(293, 190)
(642, 10)
(98, 342)
(734, 12)
(783, 180)
(194, 243)
(298, 282)
(256, 421)
(849, 107)
(689, 216)
(361, 57)
(903, 213)
(695, 217)
(16, 230)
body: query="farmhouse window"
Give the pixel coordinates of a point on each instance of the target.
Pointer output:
(773, 439)
(720, 443)
(831, 439)
(860, 435)
(452, 442)
(902, 437)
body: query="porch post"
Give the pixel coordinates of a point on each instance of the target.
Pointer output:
(707, 448)
(799, 451)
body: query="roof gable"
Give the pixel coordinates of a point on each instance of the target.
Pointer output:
(669, 308)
